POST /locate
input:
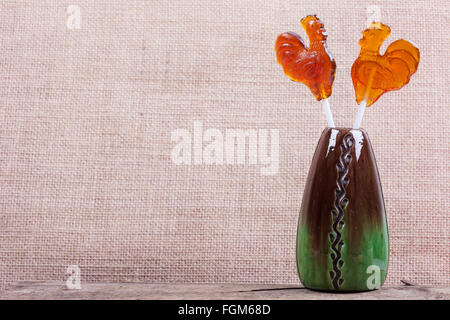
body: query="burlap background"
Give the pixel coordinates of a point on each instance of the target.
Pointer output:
(86, 118)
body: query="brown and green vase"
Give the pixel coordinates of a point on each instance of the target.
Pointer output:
(342, 238)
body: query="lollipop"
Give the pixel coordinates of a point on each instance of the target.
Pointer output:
(374, 74)
(313, 66)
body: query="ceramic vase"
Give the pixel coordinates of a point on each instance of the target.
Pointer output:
(342, 237)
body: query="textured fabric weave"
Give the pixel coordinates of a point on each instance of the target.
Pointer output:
(86, 118)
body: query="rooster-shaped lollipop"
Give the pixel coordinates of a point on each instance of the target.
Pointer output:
(313, 66)
(374, 74)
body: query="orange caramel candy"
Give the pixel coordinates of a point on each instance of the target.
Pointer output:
(374, 74)
(313, 66)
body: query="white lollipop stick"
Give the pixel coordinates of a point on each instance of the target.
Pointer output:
(363, 104)
(327, 110)
(360, 114)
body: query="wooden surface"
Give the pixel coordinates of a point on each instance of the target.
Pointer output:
(58, 290)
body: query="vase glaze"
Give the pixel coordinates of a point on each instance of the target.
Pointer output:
(342, 237)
